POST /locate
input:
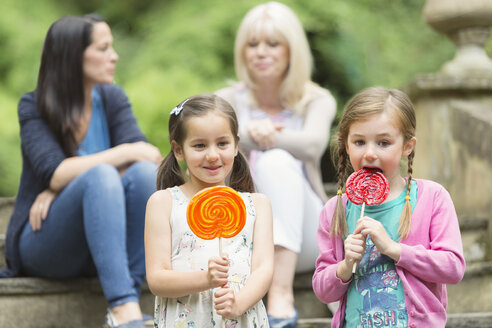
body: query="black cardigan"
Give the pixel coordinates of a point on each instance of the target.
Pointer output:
(42, 153)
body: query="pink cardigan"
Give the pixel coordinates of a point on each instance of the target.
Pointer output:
(431, 257)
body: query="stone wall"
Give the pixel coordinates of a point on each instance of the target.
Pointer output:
(454, 132)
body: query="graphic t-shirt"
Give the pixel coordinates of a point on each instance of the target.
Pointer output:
(375, 297)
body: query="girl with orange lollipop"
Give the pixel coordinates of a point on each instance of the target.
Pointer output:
(407, 242)
(193, 284)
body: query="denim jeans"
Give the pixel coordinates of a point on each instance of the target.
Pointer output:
(95, 226)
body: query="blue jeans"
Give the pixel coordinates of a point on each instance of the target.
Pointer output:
(95, 226)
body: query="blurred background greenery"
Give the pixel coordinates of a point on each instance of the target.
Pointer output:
(172, 49)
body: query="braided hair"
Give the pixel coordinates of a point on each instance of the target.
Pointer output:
(368, 102)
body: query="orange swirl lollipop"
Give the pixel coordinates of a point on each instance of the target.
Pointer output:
(217, 211)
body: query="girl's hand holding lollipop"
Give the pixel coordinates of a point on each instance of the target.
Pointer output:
(218, 271)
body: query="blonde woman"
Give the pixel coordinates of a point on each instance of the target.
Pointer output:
(285, 121)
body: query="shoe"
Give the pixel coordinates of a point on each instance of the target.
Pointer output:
(283, 322)
(110, 322)
(148, 319)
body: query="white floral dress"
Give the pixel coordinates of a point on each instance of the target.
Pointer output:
(190, 253)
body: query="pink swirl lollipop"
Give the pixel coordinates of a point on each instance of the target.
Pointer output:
(366, 186)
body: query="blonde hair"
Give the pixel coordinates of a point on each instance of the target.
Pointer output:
(364, 104)
(280, 22)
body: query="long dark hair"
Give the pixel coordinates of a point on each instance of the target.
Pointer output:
(60, 89)
(169, 173)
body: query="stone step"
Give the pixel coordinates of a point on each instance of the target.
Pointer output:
(34, 302)
(306, 302)
(314, 323)
(470, 320)
(474, 292)
(476, 237)
(6, 208)
(40, 303)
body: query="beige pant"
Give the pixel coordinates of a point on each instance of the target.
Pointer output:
(296, 207)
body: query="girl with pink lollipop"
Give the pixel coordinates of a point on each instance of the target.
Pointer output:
(402, 232)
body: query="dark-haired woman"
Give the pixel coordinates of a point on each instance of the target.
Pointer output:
(87, 172)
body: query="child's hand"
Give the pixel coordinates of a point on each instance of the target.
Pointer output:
(354, 246)
(225, 303)
(218, 271)
(379, 236)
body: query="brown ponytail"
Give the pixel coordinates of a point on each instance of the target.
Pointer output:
(339, 223)
(169, 173)
(240, 178)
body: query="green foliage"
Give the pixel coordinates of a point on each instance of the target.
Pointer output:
(10, 158)
(23, 25)
(170, 50)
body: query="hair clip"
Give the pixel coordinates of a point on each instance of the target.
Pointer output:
(407, 197)
(339, 192)
(176, 110)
